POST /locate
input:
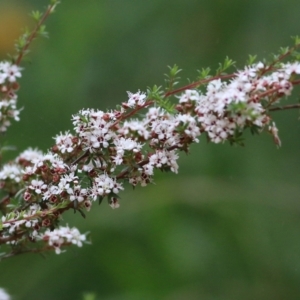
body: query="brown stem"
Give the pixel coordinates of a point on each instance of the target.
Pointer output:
(11, 238)
(291, 106)
(195, 84)
(33, 250)
(77, 160)
(295, 82)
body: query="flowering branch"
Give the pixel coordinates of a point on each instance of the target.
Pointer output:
(107, 150)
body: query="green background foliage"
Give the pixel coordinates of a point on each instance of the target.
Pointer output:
(227, 226)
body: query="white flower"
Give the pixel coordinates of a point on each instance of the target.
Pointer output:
(214, 86)
(291, 68)
(192, 130)
(164, 158)
(137, 99)
(77, 193)
(64, 142)
(132, 127)
(123, 144)
(148, 169)
(12, 172)
(30, 155)
(12, 72)
(58, 237)
(189, 95)
(4, 295)
(104, 185)
(38, 186)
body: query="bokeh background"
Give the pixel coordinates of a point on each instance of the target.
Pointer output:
(228, 225)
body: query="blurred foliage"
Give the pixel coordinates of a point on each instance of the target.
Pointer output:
(227, 226)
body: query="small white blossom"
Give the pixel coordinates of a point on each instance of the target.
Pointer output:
(64, 142)
(30, 155)
(11, 172)
(4, 295)
(192, 95)
(63, 235)
(104, 185)
(38, 186)
(77, 193)
(137, 99)
(12, 72)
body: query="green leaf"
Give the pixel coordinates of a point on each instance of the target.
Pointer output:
(255, 129)
(284, 50)
(174, 70)
(156, 95)
(171, 78)
(296, 39)
(82, 213)
(226, 64)
(203, 73)
(236, 138)
(36, 15)
(42, 31)
(251, 59)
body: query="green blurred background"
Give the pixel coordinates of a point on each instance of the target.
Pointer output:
(227, 226)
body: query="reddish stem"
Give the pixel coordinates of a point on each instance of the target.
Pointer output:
(291, 106)
(195, 84)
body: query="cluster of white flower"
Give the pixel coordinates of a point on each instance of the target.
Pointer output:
(11, 172)
(125, 144)
(107, 148)
(104, 185)
(135, 100)
(116, 142)
(229, 106)
(65, 142)
(63, 236)
(94, 129)
(8, 85)
(29, 156)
